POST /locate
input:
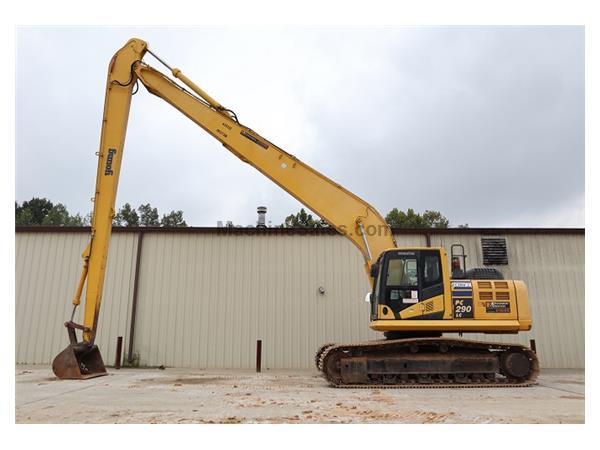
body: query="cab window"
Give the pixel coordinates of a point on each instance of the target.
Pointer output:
(432, 273)
(402, 272)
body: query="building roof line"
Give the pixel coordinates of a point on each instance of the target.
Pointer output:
(296, 231)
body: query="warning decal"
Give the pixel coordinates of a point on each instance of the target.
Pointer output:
(497, 307)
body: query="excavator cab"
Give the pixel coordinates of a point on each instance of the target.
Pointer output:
(405, 278)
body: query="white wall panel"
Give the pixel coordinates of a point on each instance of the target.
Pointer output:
(206, 297)
(48, 265)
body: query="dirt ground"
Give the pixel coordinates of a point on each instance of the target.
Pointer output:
(200, 396)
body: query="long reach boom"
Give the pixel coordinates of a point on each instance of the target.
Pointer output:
(347, 213)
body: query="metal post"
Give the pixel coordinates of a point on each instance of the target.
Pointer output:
(135, 296)
(118, 355)
(258, 355)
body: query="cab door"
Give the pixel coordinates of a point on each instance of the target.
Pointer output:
(431, 288)
(410, 285)
(432, 282)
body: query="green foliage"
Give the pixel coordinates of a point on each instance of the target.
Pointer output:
(410, 219)
(58, 215)
(80, 221)
(303, 220)
(33, 211)
(434, 219)
(41, 211)
(148, 216)
(23, 217)
(173, 219)
(126, 217)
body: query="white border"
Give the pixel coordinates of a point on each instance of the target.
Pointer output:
(307, 12)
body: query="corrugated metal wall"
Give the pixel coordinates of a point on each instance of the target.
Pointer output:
(205, 298)
(48, 266)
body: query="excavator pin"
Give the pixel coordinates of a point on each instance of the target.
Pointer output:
(80, 360)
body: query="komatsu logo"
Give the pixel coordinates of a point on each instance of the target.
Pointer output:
(109, 160)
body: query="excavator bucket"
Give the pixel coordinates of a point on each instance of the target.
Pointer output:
(79, 361)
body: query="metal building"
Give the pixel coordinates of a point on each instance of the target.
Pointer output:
(202, 297)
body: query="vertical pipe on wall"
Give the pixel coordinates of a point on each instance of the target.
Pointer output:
(135, 297)
(119, 350)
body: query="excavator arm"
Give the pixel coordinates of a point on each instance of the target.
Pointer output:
(347, 213)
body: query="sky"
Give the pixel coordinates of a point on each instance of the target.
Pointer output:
(485, 124)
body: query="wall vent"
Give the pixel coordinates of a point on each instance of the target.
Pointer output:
(494, 251)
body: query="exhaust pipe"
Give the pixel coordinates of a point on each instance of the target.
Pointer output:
(80, 360)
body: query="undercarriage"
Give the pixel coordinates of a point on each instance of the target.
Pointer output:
(427, 362)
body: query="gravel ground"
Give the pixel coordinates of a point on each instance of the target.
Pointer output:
(208, 396)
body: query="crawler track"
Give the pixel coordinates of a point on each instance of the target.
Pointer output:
(320, 352)
(427, 363)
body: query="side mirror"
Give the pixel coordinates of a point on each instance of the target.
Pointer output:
(374, 270)
(368, 297)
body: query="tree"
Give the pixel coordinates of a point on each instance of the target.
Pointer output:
(41, 211)
(148, 216)
(33, 211)
(23, 217)
(173, 219)
(434, 219)
(79, 221)
(400, 219)
(127, 216)
(59, 215)
(410, 219)
(303, 220)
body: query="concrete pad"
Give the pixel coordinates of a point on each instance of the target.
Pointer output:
(210, 396)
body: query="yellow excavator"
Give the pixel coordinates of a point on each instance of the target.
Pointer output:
(414, 298)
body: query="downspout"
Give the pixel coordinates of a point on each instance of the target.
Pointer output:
(135, 297)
